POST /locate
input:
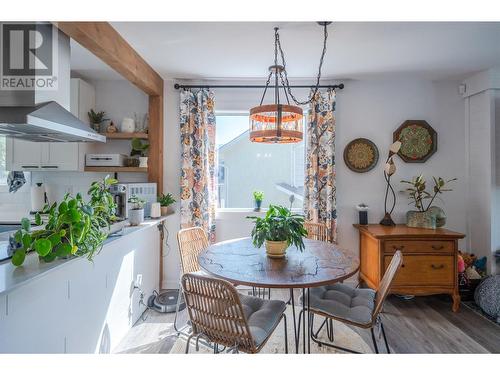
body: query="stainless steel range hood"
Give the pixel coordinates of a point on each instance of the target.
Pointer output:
(45, 122)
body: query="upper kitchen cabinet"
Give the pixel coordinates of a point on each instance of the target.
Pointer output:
(82, 99)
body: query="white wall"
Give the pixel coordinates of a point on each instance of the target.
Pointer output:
(368, 108)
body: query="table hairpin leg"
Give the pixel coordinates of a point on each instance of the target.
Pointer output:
(295, 333)
(304, 320)
(309, 324)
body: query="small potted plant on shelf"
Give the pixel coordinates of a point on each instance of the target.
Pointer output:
(136, 211)
(258, 197)
(96, 119)
(166, 200)
(140, 149)
(426, 215)
(279, 229)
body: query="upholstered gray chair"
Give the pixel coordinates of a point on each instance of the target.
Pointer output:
(223, 317)
(357, 307)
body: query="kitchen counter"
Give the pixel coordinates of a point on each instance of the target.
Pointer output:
(12, 277)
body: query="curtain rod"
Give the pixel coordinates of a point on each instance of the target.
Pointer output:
(178, 86)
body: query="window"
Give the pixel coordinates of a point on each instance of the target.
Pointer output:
(3, 153)
(244, 166)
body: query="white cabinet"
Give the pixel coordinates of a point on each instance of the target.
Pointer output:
(82, 99)
(41, 156)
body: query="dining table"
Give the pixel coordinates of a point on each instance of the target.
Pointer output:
(318, 264)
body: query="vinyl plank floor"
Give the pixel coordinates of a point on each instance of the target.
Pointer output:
(419, 325)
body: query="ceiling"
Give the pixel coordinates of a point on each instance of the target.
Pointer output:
(204, 50)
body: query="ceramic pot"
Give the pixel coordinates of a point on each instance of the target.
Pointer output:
(136, 217)
(143, 162)
(276, 249)
(166, 210)
(439, 214)
(128, 125)
(418, 219)
(258, 204)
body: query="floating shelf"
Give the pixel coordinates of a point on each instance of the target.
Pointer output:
(115, 169)
(126, 135)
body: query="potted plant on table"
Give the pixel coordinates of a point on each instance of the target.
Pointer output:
(166, 200)
(140, 149)
(96, 119)
(258, 197)
(279, 229)
(136, 211)
(426, 215)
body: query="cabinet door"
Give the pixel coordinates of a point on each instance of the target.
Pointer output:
(23, 155)
(59, 157)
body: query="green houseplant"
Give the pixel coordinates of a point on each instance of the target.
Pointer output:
(425, 215)
(258, 197)
(278, 229)
(136, 211)
(72, 227)
(166, 200)
(140, 149)
(96, 119)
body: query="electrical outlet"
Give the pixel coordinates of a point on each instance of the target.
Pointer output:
(138, 280)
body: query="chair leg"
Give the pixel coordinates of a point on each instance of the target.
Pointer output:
(177, 307)
(374, 341)
(320, 343)
(330, 330)
(385, 338)
(286, 333)
(187, 343)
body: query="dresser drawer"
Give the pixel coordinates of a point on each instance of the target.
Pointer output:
(422, 246)
(424, 270)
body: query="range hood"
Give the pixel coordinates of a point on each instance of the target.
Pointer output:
(45, 122)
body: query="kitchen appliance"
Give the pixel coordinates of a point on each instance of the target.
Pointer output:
(123, 191)
(105, 160)
(38, 197)
(155, 210)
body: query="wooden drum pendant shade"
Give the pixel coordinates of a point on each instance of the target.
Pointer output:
(276, 123)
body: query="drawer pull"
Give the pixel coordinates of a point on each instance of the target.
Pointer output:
(50, 166)
(440, 247)
(437, 267)
(29, 166)
(401, 247)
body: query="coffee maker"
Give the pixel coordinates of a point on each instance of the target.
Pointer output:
(123, 191)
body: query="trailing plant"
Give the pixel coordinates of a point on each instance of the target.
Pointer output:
(166, 200)
(96, 117)
(137, 203)
(139, 148)
(72, 227)
(279, 224)
(258, 196)
(418, 194)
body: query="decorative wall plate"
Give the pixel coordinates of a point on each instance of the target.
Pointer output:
(361, 155)
(418, 141)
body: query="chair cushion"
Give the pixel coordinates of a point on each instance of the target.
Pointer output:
(344, 302)
(262, 316)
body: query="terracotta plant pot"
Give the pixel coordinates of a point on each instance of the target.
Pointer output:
(418, 219)
(136, 217)
(166, 210)
(276, 249)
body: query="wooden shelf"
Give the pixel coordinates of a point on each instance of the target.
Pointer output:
(126, 135)
(115, 169)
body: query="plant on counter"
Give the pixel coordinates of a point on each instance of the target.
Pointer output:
(72, 227)
(96, 119)
(258, 197)
(136, 211)
(165, 201)
(417, 193)
(278, 229)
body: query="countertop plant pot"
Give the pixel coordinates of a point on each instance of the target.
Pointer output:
(419, 219)
(166, 210)
(136, 217)
(143, 162)
(276, 249)
(258, 204)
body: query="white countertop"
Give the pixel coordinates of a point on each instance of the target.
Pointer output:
(12, 277)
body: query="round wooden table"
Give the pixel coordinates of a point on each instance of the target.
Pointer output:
(240, 262)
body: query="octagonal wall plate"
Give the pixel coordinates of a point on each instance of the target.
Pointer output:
(418, 141)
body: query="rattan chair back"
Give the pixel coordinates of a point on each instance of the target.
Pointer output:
(215, 311)
(191, 242)
(317, 231)
(387, 280)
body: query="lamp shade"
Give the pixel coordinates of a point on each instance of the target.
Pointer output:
(276, 123)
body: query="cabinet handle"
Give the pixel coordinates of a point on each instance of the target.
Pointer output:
(50, 166)
(437, 267)
(403, 266)
(30, 166)
(398, 247)
(440, 247)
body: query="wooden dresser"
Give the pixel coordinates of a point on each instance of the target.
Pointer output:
(429, 259)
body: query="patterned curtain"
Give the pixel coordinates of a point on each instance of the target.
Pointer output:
(198, 185)
(320, 202)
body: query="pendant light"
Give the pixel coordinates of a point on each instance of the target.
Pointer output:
(278, 122)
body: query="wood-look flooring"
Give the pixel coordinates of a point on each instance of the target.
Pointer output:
(420, 325)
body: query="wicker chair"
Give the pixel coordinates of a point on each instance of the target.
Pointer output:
(224, 317)
(191, 242)
(357, 307)
(317, 231)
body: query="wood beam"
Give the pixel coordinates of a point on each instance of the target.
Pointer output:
(105, 42)
(155, 161)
